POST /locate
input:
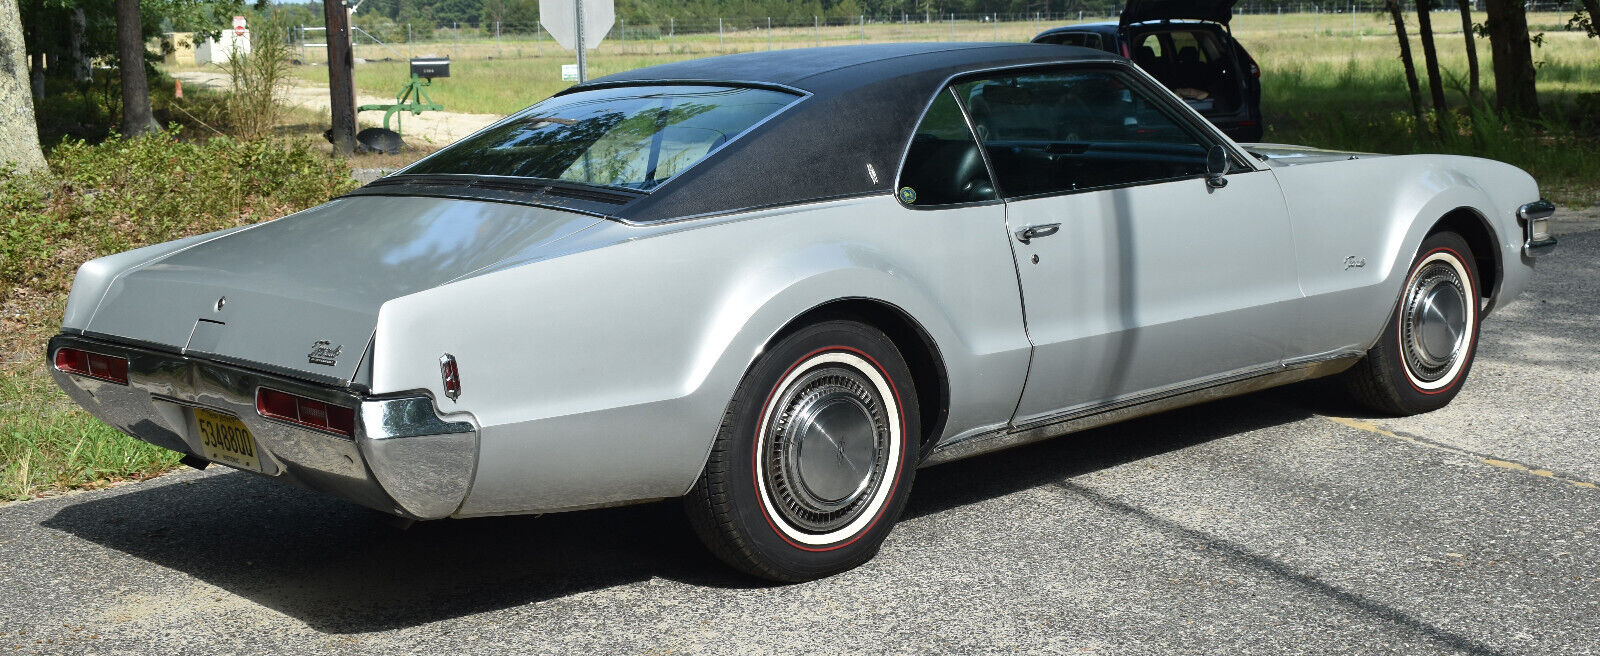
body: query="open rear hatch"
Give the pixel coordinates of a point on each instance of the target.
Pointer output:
(1139, 11)
(300, 295)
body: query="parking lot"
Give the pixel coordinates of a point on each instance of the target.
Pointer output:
(1281, 522)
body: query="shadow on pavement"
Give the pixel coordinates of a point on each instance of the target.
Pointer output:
(343, 569)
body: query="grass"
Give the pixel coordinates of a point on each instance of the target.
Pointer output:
(48, 444)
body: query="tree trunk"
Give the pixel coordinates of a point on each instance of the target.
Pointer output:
(1430, 58)
(1513, 59)
(1405, 57)
(1474, 92)
(341, 83)
(79, 24)
(137, 118)
(19, 134)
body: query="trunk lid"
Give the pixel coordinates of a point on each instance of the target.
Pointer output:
(302, 293)
(1139, 11)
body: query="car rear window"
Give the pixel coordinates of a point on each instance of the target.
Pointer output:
(1083, 39)
(633, 136)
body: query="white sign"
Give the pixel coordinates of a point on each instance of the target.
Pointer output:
(569, 72)
(560, 17)
(238, 26)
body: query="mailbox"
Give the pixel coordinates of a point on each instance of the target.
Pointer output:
(430, 67)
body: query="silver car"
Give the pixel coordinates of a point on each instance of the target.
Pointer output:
(776, 284)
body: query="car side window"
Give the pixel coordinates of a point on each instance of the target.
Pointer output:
(944, 165)
(1064, 131)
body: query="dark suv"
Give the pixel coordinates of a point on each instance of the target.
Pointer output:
(1186, 44)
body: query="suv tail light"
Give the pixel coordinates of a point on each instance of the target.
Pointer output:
(311, 413)
(93, 365)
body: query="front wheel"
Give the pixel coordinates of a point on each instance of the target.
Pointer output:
(815, 457)
(1426, 351)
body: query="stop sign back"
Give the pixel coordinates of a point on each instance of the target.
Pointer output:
(559, 17)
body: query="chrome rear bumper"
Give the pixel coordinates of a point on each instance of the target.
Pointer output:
(404, 458)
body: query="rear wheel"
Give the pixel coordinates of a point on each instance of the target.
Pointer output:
(1426, 351)
(815, 457)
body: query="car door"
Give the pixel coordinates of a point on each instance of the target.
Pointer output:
(1138, 277)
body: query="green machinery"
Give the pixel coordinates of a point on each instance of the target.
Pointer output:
(413, 97)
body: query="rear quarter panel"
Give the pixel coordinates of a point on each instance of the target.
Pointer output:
(601, 376)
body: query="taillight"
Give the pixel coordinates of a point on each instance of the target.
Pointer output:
(93, 365)
(1125, 52)
(310, 413)
(450, 375)
(1255, 71)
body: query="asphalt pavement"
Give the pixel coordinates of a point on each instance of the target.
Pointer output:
(1285, 522)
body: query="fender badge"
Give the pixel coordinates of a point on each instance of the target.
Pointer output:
(323, 352)
(908, 195)
(1354, 262)
(872, 173)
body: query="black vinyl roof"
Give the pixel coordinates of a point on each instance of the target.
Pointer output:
(864, 103)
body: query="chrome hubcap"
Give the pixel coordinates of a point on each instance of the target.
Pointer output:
(1435, 321)
(827, 449)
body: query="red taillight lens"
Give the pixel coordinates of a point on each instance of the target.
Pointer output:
(1255, 71)
(450, 374)
(93, 365)
(310, 413)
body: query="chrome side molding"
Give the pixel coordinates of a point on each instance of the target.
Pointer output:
(1118, 410)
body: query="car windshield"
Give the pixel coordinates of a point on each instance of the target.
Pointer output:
(635, 137)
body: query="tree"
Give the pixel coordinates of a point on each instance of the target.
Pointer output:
(137, 117)
(1405, 56)
(19, 134)
(1430, 57)
(1585, 19)
(1513, 59)
(1474, 93)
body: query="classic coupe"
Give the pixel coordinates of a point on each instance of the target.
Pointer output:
(776, 284)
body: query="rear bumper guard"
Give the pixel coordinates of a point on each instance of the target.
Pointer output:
(404, 459)
(1535, 221)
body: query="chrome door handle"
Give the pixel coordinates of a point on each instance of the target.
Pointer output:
(1030, 233)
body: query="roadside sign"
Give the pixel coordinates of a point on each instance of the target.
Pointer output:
(560, 18)
(578, 25)
(569, 72)
(238, 26)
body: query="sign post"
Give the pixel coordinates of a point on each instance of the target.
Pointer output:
(578, 25)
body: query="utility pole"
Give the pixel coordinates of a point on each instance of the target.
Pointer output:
(341, 77)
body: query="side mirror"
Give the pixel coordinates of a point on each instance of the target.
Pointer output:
(1216, 167)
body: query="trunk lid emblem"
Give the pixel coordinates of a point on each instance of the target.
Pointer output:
(325, 353)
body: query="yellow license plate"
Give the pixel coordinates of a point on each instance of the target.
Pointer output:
(225, 439)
